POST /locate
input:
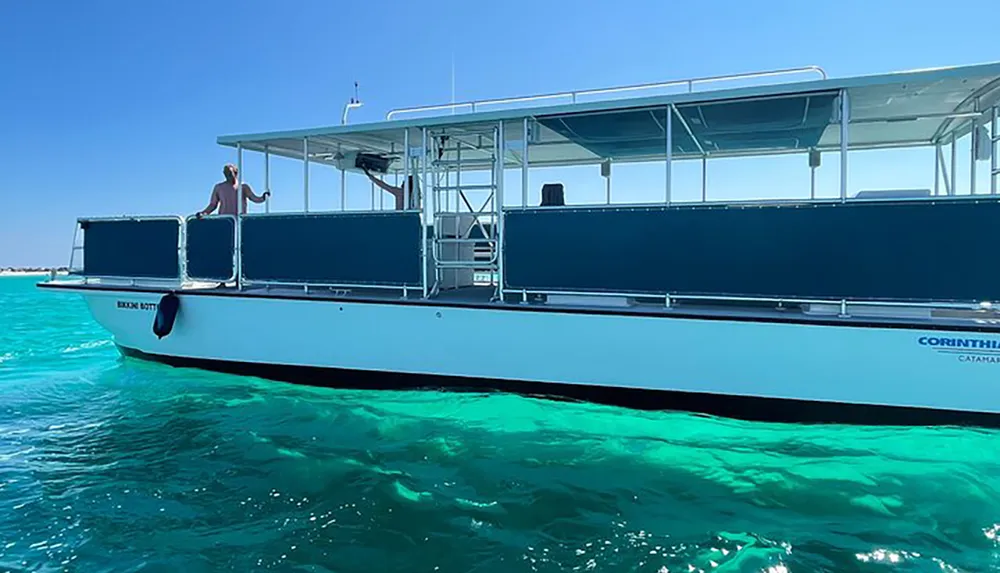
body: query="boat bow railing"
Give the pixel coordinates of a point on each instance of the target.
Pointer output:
(131, 248)
(359, 249)
(477, 105)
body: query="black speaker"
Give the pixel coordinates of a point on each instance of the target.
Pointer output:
(373, 163)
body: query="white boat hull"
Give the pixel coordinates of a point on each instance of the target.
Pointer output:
(712, 358)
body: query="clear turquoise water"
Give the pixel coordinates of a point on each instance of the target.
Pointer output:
(118, 465)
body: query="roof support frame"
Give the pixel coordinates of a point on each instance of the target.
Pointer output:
(340, 140)
(984, 78)
(913, 143)
(687, 128)
(990, 93)
(574, 95)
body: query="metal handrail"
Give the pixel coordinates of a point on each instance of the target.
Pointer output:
(314, 214)
(177, 218)
(736, 203)
(573, 95)
(346, 287)
(669, 298)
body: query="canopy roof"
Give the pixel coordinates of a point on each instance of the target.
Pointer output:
(901, 109)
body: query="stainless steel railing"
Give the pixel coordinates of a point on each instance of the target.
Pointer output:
(476, 105)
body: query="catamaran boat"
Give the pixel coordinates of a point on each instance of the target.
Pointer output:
(869, 306)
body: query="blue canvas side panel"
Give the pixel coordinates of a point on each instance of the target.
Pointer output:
(335, 248)
(899, 250)
(210, 243)
(134, 249)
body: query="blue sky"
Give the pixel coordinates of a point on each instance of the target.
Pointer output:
(112, 107)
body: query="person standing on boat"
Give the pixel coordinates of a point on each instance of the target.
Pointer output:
(399, 192)
(224, 194)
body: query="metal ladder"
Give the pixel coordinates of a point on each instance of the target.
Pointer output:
(466, 238)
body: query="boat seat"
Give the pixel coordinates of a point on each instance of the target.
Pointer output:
(552, 195)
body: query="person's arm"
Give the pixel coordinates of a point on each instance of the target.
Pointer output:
(397, 192)
(390, 188)
(212, 204)
(249, 194)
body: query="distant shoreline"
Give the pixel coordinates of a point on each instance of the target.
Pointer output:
(33, 273)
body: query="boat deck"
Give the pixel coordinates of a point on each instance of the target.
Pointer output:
(860, 314)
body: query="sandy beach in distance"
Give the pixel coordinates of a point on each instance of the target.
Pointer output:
(10, 273)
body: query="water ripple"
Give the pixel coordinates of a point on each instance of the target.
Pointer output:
(115, 465)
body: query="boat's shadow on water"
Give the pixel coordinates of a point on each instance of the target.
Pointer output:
(180, 468)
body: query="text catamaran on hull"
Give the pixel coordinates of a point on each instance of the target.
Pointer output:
(867, 307)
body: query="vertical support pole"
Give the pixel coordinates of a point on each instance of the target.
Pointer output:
(343, 186)
(844, 121)
(373, 195)
(267, 178)
(498, 220)
(524, 168)
(239, 179)
(343, 190)
(812, 181)
(607, 187)
(305, 173)
(237, 223)
(423, 212)
(420, 197)
(954, 165)
(815, 158)
(937, 167)
(395, 175)
(668, 127)
(994, 139)
(406, 168)
(973, 140)
(704, 178)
